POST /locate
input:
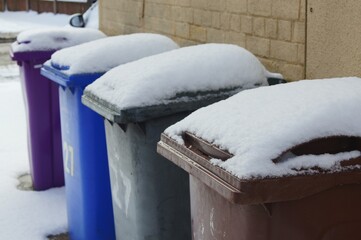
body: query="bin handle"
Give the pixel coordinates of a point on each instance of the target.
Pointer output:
(24, 42)
(204, 148)
(330, 145)
(56, 39)
(327, 145)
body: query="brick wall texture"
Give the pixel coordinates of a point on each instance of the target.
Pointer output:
(274, 30)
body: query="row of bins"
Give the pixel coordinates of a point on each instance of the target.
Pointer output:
(117, 95)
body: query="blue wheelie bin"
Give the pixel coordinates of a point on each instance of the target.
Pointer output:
(88, 193)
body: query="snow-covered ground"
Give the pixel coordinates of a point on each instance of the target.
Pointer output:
(9, 73)
(12, 23)
(23, 214)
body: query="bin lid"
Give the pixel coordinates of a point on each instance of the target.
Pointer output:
(45, 40)
(282, 142)
(176, 81)
(72, 65)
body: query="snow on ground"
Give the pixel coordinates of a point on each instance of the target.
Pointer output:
(9, 73)
(24, 215)
(15, 22)
(11, 23)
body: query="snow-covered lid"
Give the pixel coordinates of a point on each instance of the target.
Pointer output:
(164, 78)
(48, 39)
(260, 125)
(104, 54)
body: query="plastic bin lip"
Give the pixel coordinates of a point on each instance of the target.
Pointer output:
(141, 114)
(196, 100)
(30, 55)
(76, 80)
(254, 191)
(59, 67)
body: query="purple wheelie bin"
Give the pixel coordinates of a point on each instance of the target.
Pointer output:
(31, 50)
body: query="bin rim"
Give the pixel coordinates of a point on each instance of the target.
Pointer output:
(256, 191)
(141, 114)
(66, 80)
(30, 55)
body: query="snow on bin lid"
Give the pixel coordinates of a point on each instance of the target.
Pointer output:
(259, 125)
(104, 54)
(53, 38)
(161, 78)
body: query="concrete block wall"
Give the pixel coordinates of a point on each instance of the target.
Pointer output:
(333, 38)
(274, 30)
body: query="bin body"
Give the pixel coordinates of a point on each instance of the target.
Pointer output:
(313, 207)
(43, 121)
(332, 214)
(150, 195)
(89, 204)
(255, 178)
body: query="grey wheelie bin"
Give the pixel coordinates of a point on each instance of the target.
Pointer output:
(283, 163)
(138, 101)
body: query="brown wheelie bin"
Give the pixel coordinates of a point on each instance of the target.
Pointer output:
(323, 206)
(317, 205)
